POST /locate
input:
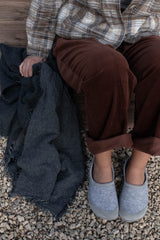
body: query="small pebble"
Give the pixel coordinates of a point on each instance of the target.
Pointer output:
(20, 218)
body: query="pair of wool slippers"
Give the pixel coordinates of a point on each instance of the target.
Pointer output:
(131, 205)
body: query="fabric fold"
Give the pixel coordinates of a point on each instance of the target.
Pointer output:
(44, 155)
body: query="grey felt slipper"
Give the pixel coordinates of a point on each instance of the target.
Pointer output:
(102, 197)
(133, 200)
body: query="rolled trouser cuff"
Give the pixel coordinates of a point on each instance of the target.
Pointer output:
(150, 145)
(124, 140)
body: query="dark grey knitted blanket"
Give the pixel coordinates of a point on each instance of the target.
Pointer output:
(39, 118)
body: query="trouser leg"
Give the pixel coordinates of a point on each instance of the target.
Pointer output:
(102, 74)
(144, 60)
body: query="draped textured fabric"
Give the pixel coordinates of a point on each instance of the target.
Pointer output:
(39, 118)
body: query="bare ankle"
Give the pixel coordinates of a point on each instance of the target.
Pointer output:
(135, 176)
(135, 172)
(139, 159)
(103, 160)
(102, 171)
(102, 175)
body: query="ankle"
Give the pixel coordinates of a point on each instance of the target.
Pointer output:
(103, 160)
(102, 175)
(135, 175)
(102, 166)
(135, 169)
(139, 159)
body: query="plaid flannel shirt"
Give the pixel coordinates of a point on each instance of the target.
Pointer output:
(102, 19)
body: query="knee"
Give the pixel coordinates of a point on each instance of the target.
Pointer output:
(107, 65)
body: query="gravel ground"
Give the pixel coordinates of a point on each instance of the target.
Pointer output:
(20, 219)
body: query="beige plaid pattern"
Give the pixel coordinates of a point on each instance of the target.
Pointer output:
(102, 19)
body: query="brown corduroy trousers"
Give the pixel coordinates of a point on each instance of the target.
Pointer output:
(108, 78)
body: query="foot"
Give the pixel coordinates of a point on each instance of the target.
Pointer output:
(135, 170)
(102, 198)
(102, 175)
(135, 176)
(133, 199)
(102, 170)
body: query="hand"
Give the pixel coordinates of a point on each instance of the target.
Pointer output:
(25, 67)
